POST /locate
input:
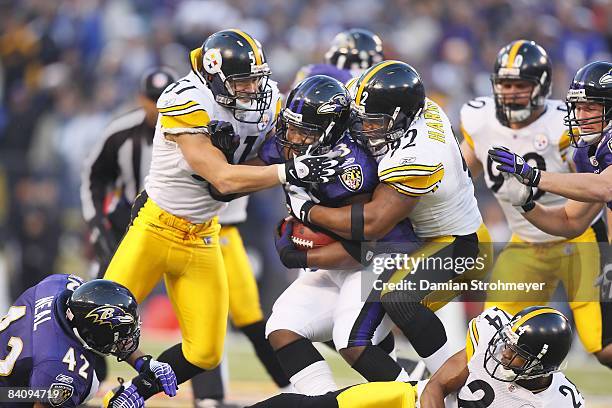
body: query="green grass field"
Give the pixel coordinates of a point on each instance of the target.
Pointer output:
(249, 383)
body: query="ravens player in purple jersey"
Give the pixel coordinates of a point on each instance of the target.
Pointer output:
(54, 330)
(351, 52)
(316, 117)
(589, 119)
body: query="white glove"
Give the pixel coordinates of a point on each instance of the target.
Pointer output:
(299, 202)
(518, 194)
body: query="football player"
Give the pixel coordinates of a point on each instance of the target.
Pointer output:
(54, 330)
(521, 117)
(507, 361)
(326, 304)
(351, 52)
(422, 176)
(589, 102)
(174, 232)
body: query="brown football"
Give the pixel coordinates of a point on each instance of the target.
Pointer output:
(304, 238)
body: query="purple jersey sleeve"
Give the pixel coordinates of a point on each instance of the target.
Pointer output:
(270, 152)
(595, 159)
(66, 388)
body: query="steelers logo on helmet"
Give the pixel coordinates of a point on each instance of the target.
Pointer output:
(213, 61)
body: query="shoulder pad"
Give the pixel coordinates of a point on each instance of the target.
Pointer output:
(474, 115)
(184, 108)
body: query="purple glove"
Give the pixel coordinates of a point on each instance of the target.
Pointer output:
(514, 164)
(156, 370)
(127, 398)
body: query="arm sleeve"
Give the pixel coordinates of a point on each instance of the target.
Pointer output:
(413, 180)
(180, 113)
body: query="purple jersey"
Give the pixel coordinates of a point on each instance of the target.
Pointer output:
(596, 158)
(360, 176)
(342, 75)
(42, 350)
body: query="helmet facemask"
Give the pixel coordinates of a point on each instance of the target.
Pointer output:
(378, 131)
(576, 126)
(505, 360)
(247, 106)
(296, 136)
(517, 107)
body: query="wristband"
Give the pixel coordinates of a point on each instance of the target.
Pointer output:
(282, 177)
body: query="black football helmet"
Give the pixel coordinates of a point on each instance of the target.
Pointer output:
(524, 60)
(539, 336)
(355, 49)
(387, 98)
(103, 315)
(319, 107)
(230, 56)
(592, 83)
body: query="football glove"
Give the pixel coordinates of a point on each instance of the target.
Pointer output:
(158, 371)
(289, 255)
(309, 168)
(516, 165)
(299, 202)
(123, 397)
(519, 195)
(223, 138)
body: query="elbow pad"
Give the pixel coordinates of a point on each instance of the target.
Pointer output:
(216, 194)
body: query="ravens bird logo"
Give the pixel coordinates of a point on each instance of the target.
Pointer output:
(111, 315)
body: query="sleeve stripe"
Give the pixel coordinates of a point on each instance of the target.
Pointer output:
(564, 141)
(184, 111)
(471, 340)
(474, 331)
(177, 107)
(413, 175)
(420, 167)
(467, 137)
(193, 120)
(414, 192)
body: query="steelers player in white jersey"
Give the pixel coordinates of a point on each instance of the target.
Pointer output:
(521, 117)
(508, 361)
(174, 232)
(422, 176)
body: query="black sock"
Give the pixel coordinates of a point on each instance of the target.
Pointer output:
(296, 356)
(256, 333)
(208, 385)
(183, 369)
(374, 364)
(425, 332)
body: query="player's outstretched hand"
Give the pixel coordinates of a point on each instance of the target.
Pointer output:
(519, 194)
(123, 397)
(289, 255)
(299, 202)
(312, 168)
(159, 371)
(223, 138)
(516, 165)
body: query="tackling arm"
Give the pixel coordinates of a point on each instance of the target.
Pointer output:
(449, 378)
(380, 215)
(210, 163)
(567, 221)
(585, 187)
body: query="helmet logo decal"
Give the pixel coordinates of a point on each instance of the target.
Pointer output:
(111, 315)
(292, 116)
(213, 61)
(334, 105)
(352, 177)
(606, 78)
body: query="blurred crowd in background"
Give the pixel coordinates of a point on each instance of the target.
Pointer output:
(68, 66)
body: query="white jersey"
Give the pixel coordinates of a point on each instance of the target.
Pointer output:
(481, 390)
(186, 107)
(427, 163)
(235, 212)
(544, 143)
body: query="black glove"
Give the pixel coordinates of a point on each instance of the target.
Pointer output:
(102, 239)
(288, 253)
(223, 138)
